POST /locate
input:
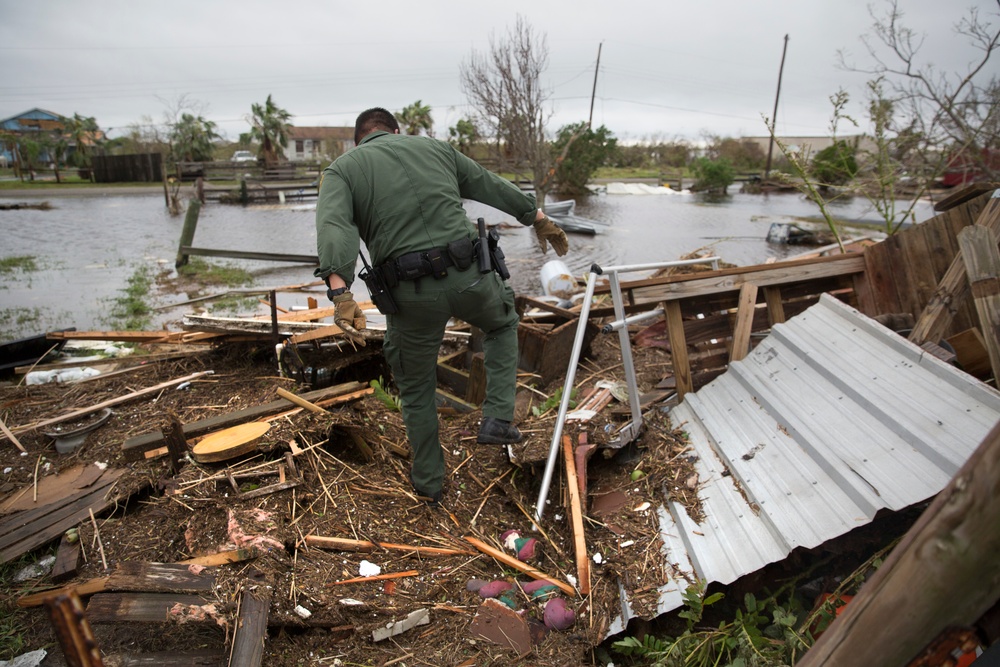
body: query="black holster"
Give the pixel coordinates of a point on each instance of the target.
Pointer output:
(379, 289)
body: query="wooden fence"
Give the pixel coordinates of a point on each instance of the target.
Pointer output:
(135, 168)
(235, 171)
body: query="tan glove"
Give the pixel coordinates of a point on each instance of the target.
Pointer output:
(547, 232)
(349, 317)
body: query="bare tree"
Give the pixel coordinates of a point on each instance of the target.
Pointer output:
(504, 86)
(948, 112)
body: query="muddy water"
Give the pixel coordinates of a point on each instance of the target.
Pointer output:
(86, 248)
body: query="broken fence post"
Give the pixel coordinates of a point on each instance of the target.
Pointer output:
(187, 232)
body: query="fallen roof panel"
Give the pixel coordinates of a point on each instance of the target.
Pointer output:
(830, 419)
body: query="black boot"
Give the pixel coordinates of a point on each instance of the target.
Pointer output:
(495, 431)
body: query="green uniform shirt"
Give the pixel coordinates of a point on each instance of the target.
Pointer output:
(401, 194)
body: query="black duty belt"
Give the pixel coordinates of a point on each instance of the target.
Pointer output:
(434, 262)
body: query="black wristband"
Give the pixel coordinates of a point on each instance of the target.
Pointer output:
(331, 293)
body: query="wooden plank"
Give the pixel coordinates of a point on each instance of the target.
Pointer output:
(141, 607)
(942, 573)
(134, 448)
(159, 578)
(267, 490)
(449, 400)
(576, 518)
(454, 378)
(475, 392)
(878, 274)
(246, 254)
(970, 348)
(223, 557)
(316, 334)
(982, 265)
(744, 322)
(936, 317)
(110, 402)
(918, 257)
(678, 348)
(775, 310)
(67, 560)
(251, 631)
(963, 194)
(29, 529)
(764, 275)
(86, 588)
(299, 401)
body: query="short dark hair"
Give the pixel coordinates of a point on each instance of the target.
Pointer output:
(373, 119)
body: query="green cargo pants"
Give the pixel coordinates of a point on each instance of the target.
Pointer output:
(412, 345)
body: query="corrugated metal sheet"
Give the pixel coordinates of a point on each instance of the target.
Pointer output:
(830, 419)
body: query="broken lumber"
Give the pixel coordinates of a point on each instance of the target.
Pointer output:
(576, 515)
(345, 544)
(953, 287)
(146, 608)
(251, 627)
(76, 638)
(223, 557)
(135, 448)
(113, 401)
(982, 265)
(29, 529)
(141, 577)
(12, 437)
(299, 401)
(520, 566)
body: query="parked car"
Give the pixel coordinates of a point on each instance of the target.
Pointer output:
(244, 156)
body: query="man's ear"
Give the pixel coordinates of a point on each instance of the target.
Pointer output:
(396, 131)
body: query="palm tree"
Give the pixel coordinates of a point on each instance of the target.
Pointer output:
(191, 139)
(269, 127)
(82, 133)
(417, 117)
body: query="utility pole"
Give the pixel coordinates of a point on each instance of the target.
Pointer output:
(774, 116)
(593, 90)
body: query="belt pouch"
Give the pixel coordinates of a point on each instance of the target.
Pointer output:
(439, 268)
(461, 253)
(411, 266)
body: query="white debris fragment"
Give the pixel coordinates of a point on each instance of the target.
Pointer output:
(598, 558)
(351, 602)
(642, 507)
(627, 543)
(368, 569)
(302, 611)
(418, 617)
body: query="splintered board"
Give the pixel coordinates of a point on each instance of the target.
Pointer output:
(229, 443)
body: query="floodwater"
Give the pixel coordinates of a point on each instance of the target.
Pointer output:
(86, 248)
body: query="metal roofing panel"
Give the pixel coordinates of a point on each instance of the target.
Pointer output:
(830, 419)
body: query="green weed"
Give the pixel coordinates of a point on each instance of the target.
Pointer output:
(553, 401)
(215, 274)
(22, 263)
(130, 311)
(390, 401)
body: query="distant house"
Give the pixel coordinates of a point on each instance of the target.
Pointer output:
(35, 123)
(307, 144)
(29, 123)
(810, 145)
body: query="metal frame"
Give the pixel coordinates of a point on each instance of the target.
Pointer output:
(630, 431)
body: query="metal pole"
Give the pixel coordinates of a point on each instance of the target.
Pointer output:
(594, 89)
(626, 346)
(634, 319)
(774, 116)
(581, 329)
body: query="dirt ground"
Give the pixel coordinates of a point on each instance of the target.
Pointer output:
(166, 518)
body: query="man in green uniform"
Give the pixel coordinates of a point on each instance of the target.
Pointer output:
(403, 196)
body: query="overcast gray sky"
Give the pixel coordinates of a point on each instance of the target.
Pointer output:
(667, 68)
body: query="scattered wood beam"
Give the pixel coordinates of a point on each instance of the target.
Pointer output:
(345, 544)
(110, 402)
(520, 565)
(576, 515)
